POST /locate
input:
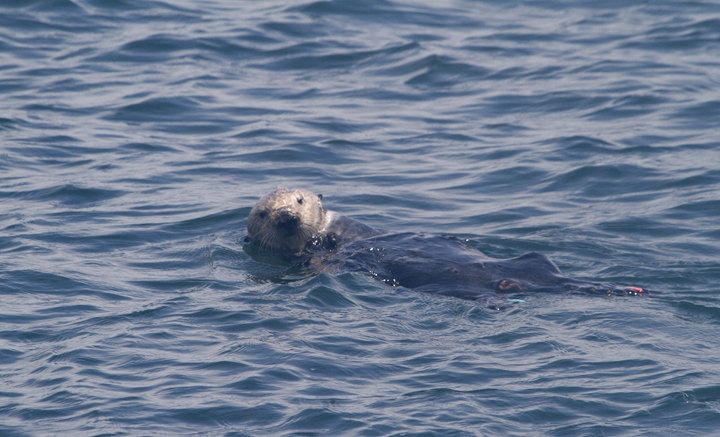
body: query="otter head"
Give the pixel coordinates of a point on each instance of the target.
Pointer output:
(284, 221)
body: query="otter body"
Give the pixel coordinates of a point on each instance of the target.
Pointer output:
(441, 264)
(293, 225)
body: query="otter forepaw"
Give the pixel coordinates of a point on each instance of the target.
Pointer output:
(508, 285)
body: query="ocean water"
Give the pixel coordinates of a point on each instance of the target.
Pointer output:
(135, 137)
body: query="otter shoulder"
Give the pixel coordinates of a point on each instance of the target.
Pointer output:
(345, 228)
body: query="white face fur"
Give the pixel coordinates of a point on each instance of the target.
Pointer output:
(285, 220)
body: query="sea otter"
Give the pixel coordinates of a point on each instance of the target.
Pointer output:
(293, 226)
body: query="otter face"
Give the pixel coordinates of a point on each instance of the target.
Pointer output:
(284, 220)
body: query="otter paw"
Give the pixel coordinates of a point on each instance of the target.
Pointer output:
(506, 285)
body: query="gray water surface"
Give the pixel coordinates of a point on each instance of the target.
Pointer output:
(137, 135)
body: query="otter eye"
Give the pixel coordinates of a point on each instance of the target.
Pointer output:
(262, 214)
(300, 199)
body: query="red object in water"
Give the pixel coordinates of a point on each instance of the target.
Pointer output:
(638, 289)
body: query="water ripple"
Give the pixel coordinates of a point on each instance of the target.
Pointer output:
(137, 136)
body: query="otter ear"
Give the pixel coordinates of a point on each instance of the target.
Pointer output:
(319, 196)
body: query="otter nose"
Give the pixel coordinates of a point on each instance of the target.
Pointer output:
(287, 218)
